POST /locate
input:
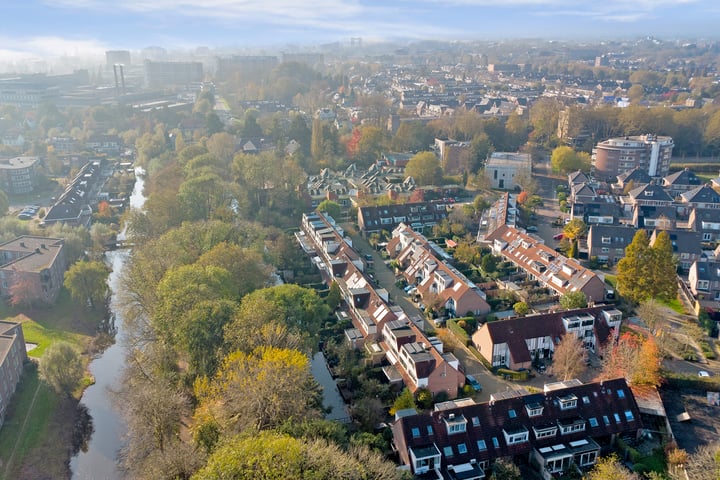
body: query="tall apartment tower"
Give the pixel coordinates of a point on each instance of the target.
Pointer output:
(651, 153)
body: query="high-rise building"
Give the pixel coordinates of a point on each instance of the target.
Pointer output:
(651, 153)
(162, 74)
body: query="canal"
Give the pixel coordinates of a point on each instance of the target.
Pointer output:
(99, 462)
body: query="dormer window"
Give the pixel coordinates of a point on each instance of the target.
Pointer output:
(455, 424)
(534, 409)
(567, 402)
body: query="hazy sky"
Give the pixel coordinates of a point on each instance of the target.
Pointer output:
(72, 27)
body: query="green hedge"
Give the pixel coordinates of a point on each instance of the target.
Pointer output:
(459, 332)
(479, 356)
(707, 350)
(516, 376)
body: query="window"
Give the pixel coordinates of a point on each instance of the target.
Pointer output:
(496, 443)
(481, 445)
(575, 427)
(448, 451)
(703, 284)
(586, 399)
(593, 421)
(545, 432)
(512, 414)
(621, 393)
(707, 237)
(415, 432)
(429, 430)
(617, 417)
(588, 458)
(629, 416)
(567, 402)
(475, 421)
(606, 240)
(534, 410)
(462, 448)
(606, 420)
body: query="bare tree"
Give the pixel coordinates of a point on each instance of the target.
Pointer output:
(569, 357)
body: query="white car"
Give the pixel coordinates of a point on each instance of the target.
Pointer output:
(703, 373)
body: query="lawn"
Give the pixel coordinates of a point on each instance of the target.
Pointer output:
(43, 410)
(65, 320)
(674, 304)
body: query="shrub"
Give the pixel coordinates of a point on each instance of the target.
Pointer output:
(514, 375)
(459, 332)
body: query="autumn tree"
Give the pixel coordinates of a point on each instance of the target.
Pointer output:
(521, 308)
(61, 367)
(87, 282)
(634, 358)
(281, 383)
(25, 291)
(610, 468)
(573, 300)
(564, 159)
(425, 169)
(247, 270)
(404, 401)
(331, 208)
(245, 457)
(569, 357)
(704, 464)
(505, 470)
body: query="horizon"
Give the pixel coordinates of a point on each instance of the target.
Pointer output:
(46, 30)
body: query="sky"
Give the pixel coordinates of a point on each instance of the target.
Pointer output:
(53, 28)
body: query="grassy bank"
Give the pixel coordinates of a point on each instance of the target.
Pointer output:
(37, 437)
(43, 447)
(65, 320)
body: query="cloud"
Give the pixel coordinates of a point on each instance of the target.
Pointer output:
(18, 49)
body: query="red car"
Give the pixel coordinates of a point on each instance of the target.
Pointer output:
(559, 236)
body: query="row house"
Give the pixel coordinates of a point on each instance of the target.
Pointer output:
(12, 359)
(633, 178)
(419, 361)
(705, 221)
(704, 283)
(419, 216)
(517, 343)
(607, 243)
(699, 197)
(503, 212)
(686, 246)
(680, 182)
(542, 263)
(421, 264)
(384, 330)
(566, 426)
(109, 144)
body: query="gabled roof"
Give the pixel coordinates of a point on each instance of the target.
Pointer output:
(683, 241)
(636, 175)
(684, 177)
(603, 408)
(650, 192)
(577, 177)
(620, 235)
(701, 194)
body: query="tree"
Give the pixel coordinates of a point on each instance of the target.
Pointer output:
(634, 271)
(521, 308)
(652, 314)
(281, 383)
(573, 300)
(569, 357)
(87, 282)
(24, 290)
(331, 208)
(61, 367)
(645, 271)
(575, 229)
(425, 169)
(704, 464)
(564, 160)
(505, 470)
(334, 296)
(247, 270)
(404, 401)
(222, 146)
(634, 358)
(664, 274)
(272, 455)
(610, 468)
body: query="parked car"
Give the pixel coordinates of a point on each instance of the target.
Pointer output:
(559, 236)
(703, 373)
(473, 383)
(532, 228)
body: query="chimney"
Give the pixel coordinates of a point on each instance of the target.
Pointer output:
(22, 244)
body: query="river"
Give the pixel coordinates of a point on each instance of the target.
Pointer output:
(99, 462)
